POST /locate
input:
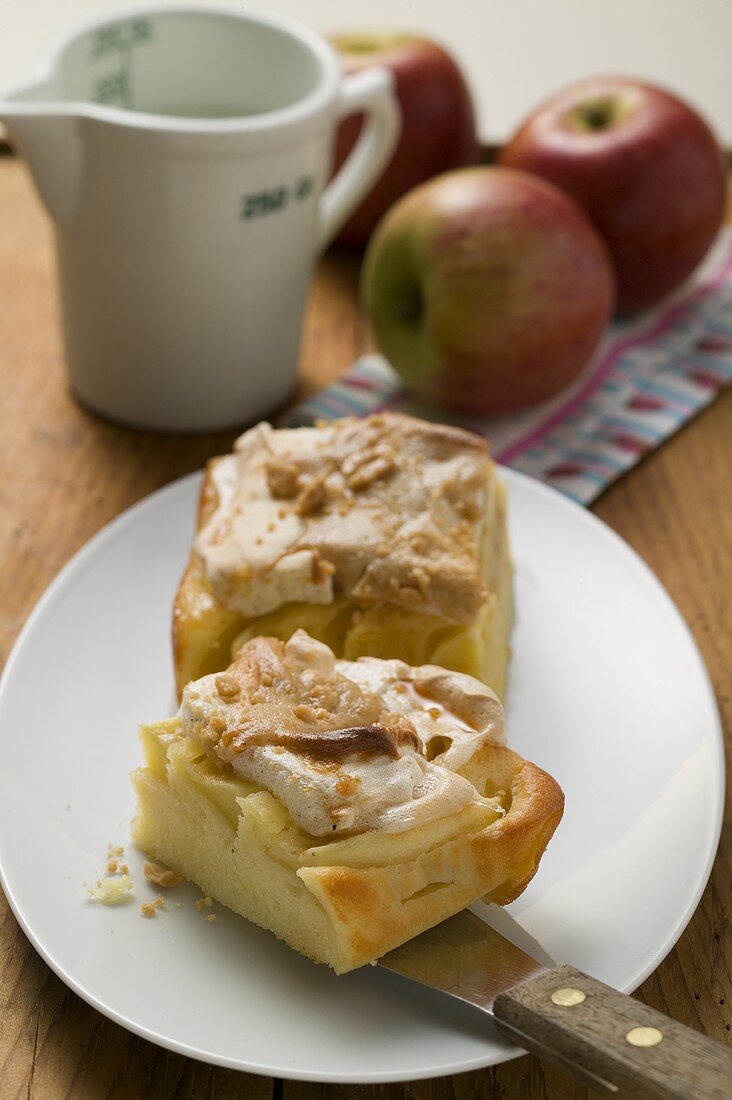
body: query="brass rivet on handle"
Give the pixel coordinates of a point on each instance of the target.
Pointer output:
(568, 997)
(644, 1036)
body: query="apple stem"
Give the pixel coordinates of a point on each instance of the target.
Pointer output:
(598, 114)
(597, 117)
(410, 309)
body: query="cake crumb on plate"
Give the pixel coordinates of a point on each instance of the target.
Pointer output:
(150, 908)
(110, 891)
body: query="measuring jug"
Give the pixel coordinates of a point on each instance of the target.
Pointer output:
(183, 154)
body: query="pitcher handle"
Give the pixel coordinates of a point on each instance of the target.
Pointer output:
(370, 91)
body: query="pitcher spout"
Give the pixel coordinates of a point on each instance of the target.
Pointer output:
(48, 134)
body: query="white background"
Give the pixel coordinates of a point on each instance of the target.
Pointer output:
(514, 51)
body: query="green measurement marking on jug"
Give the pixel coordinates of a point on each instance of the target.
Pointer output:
(116, 43)
(273, 199)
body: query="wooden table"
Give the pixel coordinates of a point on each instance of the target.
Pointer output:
(63, 474)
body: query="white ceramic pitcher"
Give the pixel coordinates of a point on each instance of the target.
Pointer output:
(183, 154)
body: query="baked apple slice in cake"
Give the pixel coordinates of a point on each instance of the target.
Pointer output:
(343, 805)
(384, 537)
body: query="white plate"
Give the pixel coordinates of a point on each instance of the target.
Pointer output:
(608, 692)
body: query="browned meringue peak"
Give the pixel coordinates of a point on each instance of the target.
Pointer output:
(292, 695)
(344, 745)
(387, 509)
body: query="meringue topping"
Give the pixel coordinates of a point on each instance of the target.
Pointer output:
(388, 509)
(344, 745)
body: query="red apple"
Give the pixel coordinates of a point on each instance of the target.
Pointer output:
(488, 289)
(644, 166)
(438, 123)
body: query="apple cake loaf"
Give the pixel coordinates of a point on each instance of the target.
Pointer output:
(383, 537)
(343, 805)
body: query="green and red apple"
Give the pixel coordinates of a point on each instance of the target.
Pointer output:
(488, 290)
(643, 165)
(438, 121)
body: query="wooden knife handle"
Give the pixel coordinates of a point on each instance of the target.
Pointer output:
(611, 1042)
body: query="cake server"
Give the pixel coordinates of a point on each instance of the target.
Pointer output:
(605, 1039)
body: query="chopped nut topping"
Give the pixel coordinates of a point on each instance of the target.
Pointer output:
(111, 866)
(305, 713)
(283, 478)
(352, 462)
(312, 496)
(347, 784)
(325, 696)
(421, 578)
(470, 510)
(404, 731)
(370, 473)
(321, 568)
(419, 543)
(161, 876)
(409, 594)
(366, 454)
(364, 467)
(227, 686)
(462, 535)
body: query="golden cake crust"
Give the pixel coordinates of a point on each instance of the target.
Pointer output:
(203, 629)
(495, 864)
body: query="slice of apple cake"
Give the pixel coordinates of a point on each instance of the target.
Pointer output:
(343, 805)
(384, 537)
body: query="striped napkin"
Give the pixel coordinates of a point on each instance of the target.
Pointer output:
(648, 378)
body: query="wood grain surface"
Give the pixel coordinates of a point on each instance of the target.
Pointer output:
(64, 473)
